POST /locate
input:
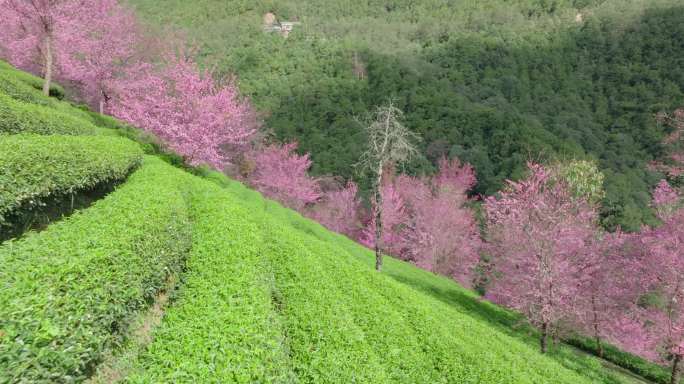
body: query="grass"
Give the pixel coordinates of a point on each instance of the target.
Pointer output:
(33, 168)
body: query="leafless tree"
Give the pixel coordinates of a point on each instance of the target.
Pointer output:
(389, 142)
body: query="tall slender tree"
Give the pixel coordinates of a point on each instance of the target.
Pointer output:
(389, 142)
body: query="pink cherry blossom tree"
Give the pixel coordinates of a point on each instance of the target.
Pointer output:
(673, 165)
(538, 234)
(32, 33)
(609, 291)
(281, 174)
(186, 108)
(444, 236)
(663, 268)
(102, 38)
(454, 177)
(633, 336)
(427, 223)
(666, 200)
(95, 44)
(338, 210)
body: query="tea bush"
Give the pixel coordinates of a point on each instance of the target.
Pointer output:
(223, 327)
(19, 117)
(25, 86)
(67, 293)
(34, 167)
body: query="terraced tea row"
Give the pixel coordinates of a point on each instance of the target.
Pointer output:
(67, 293)
(19, 117)
(223, 327)
(34, 167)
(25, 109)
(26, 87)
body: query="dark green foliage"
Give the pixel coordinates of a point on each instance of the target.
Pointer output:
(35, 167)
(494, 82)
(643, 368)
(67, 293)
(20, 117)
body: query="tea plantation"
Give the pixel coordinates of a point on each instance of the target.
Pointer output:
(259, 294)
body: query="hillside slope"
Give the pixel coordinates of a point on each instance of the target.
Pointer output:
(263, 294)
(494, 82)
(305, 305)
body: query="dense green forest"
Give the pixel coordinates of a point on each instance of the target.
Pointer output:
(496, 83)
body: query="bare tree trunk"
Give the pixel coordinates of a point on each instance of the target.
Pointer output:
(358, 67)
(675, 369)
(48, 64)
(378, 220)
(600, 346)
(544, 337)
(556, 337)
(597, 334)
(104, 100)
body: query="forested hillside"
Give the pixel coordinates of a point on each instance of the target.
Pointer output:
(496, 83)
